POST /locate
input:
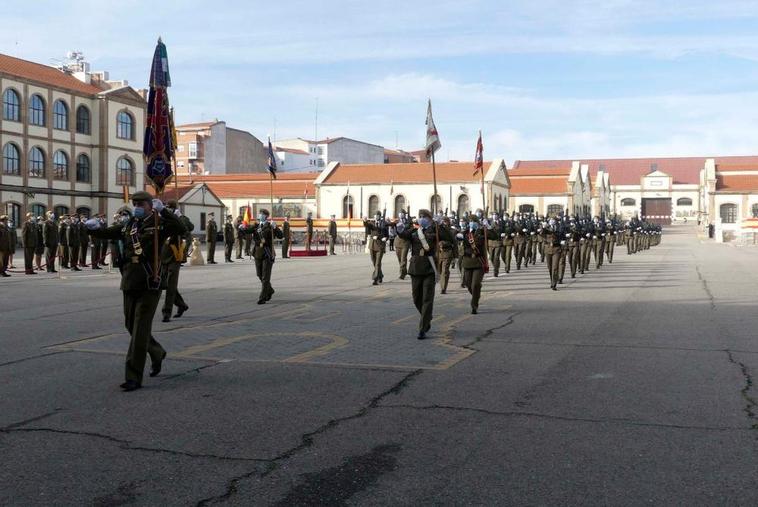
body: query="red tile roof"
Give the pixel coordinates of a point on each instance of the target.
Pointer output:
(172, 192)
(44, 75)
(410, 172)
(723, 168)
(538, 185)
(248, 177)
(261, 189)
(736, 183)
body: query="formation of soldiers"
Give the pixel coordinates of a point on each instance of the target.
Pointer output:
(480, 244)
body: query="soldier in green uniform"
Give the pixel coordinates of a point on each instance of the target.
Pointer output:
(507, 235)
(286, 237)
(63, 223)
(574, 238)
(211, 231)
(519, 242)
(495, 246)
(308, 231)
(239, 237)
(172, 256)
(40, 248)
(229, 235)
(474, 260)
(423, 264)
(332, 234)
(29, 242)
(5, 246)
(448, 248)
(83, 241)
(72, 234)
(140, 284)
(551, 234)
(610, 239)
(263, 235)
(402, 247)
(379, 234)
(51, 240)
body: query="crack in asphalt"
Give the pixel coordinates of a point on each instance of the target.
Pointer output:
(488, 332)
(32, 358)
(123, 444)
(706, 288)
(554, 417)
(197, 370)
(307, 439)
(30, 420)
(751, 405)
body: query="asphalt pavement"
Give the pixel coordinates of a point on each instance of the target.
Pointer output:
(632, 384)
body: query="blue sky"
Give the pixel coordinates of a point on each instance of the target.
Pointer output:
(541, 79)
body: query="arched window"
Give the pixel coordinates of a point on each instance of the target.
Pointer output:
(39, 210)
(684, 201)
(13, 210)
(124, 172)
(124, 125)
(37, 111)
(554, 209)
(83, 210)
(83, 169)
(11, 160)
(373, 206)
(754, 210)
(60, 165)
(728, 213)
(37, 162)
(60, 210)
(526, 208)
(628, 202)
(435, 203)
(11, 105)
(463, 205)
(60, 115)
(347, 206)
(400, 204)
(82, 120)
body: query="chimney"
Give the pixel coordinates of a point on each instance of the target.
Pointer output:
(653, 167)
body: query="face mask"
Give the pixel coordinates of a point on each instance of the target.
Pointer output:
(425, 222)
(139, 212)
(473, 226)
(261, 217)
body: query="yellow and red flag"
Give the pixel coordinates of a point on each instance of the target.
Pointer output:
(247, 218)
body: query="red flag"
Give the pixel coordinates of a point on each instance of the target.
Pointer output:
(247, 218)
(479, 156)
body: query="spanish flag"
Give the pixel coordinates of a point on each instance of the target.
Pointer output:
(247, 218)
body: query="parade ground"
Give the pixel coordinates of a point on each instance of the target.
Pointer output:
(630, 385)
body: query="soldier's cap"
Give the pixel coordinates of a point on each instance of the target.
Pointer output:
(29, 215)
(141, 196)
(172, 203)
(124, 209)
(263, 211)
(424, 213)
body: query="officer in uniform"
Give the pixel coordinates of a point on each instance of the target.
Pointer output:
(29, 242)
(379, 236)
(83, 241)
(5, 246)
(599, 241)
(519, 242)
(402, 245)
(211, 231)
(423, 263)
(263, 253)
(96, 248)
(552, 238)
(239, 237)
(141, 286)
(286, 237)
(72, 234)
(448, 248)
(507, 235)
(474, 260)
(586, 245)
(573, 236)
(610, 239)
(332, 234)
(63, 223)
(308, 231)
(172, 257)
(229, 235)
(51, 240)
(494, 247)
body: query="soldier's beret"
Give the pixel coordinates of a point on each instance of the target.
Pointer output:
(141, 196)
(424, 213)
(264, 211)
(172, 203)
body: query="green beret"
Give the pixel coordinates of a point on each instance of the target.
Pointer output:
(141, 196)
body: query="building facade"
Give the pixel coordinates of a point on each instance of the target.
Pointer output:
(362, 190)
(214, 148)
(70, 144)
(195, 201)
(730, 198)
(339, 149)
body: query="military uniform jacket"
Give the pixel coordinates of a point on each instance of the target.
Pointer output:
(211, 230)
(72, 235)
(29, 235)
(552, 238)
(419, 264)
(332, 229)
(174, 248)
(286, 231)
(309, 226)
(63, 233)
(137, 238)
(264, 239)
(228, 234)
(5, 238)
(474, 253)
(83, 235)
(510, 232)
(378, 232)
(50, 234)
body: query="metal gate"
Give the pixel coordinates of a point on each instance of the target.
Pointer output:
(657, 210)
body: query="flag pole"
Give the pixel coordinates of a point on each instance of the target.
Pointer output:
(434, 199)
(271, 191)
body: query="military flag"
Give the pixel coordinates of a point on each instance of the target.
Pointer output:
(158, 146)
(479, 161)
(432, 137)
(247, 218)
(271, 160)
